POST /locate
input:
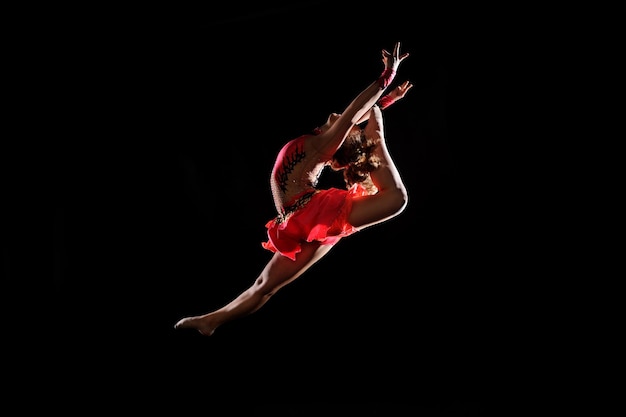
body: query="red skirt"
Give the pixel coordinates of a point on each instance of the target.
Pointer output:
(324, 219)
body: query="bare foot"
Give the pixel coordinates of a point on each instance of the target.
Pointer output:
(200, 323)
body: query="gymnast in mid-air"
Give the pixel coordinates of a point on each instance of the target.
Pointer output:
(311, 220)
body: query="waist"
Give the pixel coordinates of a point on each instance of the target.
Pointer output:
(296, 203)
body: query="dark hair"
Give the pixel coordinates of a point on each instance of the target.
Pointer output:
(357, 155)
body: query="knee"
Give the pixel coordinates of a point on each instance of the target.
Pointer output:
(262, 287)
(398, 199)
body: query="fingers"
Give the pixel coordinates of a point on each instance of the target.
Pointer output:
(396, 53)
(396, 49)
(403, 88)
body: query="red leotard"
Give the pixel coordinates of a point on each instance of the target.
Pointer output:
(305, 213)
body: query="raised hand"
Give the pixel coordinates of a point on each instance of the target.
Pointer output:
(399, 92)
(393, 60)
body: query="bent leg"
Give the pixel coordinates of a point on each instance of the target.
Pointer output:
(278, 272)
(370, 210)
(391, 198)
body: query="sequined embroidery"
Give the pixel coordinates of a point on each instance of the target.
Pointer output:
(298, 204)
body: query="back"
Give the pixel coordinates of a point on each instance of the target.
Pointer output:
(296, 171)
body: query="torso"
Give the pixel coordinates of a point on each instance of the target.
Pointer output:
(296, 171)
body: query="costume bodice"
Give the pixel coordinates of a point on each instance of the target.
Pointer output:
(296, 172)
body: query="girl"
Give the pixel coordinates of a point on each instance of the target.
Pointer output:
(310, 221)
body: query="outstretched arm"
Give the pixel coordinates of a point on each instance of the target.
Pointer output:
(388, 99)
(330, 140)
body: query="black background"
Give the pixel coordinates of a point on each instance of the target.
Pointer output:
(149, 170)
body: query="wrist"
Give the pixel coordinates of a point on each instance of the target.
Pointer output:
(386, 101)
(386, 77)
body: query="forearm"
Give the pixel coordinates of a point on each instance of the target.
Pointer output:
(384, 102)
(356, 110)
(361, 105)
(391, 60)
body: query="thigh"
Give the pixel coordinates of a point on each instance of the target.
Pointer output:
(370, 210)
(281, 270)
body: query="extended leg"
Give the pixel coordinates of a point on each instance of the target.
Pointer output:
(278, 272)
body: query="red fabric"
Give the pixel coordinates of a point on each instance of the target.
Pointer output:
(386, 77)
(386, 101)
(324, 218)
